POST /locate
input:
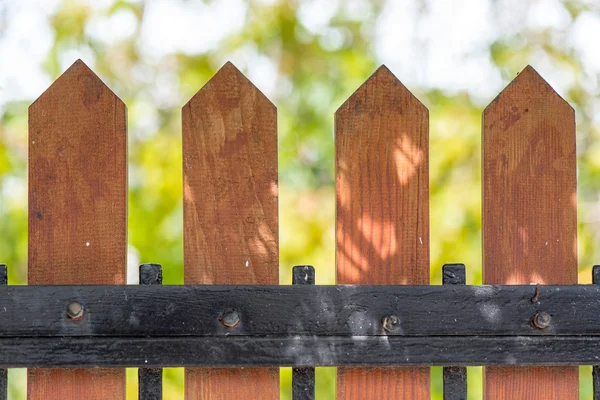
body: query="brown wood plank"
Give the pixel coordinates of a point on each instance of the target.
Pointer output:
(230, 210)
(77, 208)
(382, 225)
(529, 213)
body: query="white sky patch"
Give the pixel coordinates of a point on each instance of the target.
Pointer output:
(266, 2)
(584, 38)
(548, 14)
(263, 73)
(241, 57)
(189, 27)
(357, 9)
(14, 190)
(99, 5)
(435, 51)
(397, 21)
(145, 121)
(560, 79)
(69, 56)
(133, 263)
(315, 15)
(261, 70)
(24, 41)
(112, 29)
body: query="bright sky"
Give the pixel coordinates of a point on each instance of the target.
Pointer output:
(447, 48)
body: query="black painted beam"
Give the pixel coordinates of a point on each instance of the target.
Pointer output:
(303, 379)
(596, 368)
(298, 351)
(301, 326)
(3, 372)
(150, 379)
(455, 378)
(197, 310)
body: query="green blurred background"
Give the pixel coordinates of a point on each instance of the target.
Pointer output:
(307, 57)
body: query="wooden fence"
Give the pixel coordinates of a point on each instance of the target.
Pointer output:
(78, 211)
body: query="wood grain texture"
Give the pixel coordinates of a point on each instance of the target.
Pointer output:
(230, 209)
(77, 208)
(529, 213)
(382, 212)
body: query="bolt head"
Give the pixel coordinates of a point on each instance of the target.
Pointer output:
(391, 323)
(75, 311)
(230, 319)
(542, 320)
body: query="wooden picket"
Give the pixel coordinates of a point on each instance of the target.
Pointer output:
(382, 213)
(230, 197)
(77, 208)
(78, 212)
(530, 213)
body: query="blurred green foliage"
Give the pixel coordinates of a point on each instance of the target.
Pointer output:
(314, 72)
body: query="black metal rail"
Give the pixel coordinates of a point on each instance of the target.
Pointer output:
(303, 379)
(153, 326)
(3, 372)
(310, 312)
(150, 379)
(455, 378)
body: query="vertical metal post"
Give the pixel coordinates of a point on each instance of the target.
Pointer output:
(303, 379)
(150, 379)
(3, 372)
(455, 378)
(596, 368)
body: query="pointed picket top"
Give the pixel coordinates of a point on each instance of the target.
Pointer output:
(77, 208)
(77, 85)
(226, 85)
(230, 168)
(382, 211)
(382, 147)
(529, 144)
(230, 209)
(385, 84)
(77, 151)
(529, 205)
(529, 88)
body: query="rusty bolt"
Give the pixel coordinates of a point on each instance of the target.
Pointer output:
(542, 320)
(391, 323)
(230, 319)
(75, 311)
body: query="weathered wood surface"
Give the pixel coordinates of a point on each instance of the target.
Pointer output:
(77, 208)
(529, 213)
(230, 209)
(382, 213)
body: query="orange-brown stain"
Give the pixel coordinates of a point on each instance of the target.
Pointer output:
(382, 213)
(529, 215)
(230, 210)
(77, 209)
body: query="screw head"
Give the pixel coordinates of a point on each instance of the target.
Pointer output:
(75, 311)
(542, 320)
(391, 323)
(230, 319)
